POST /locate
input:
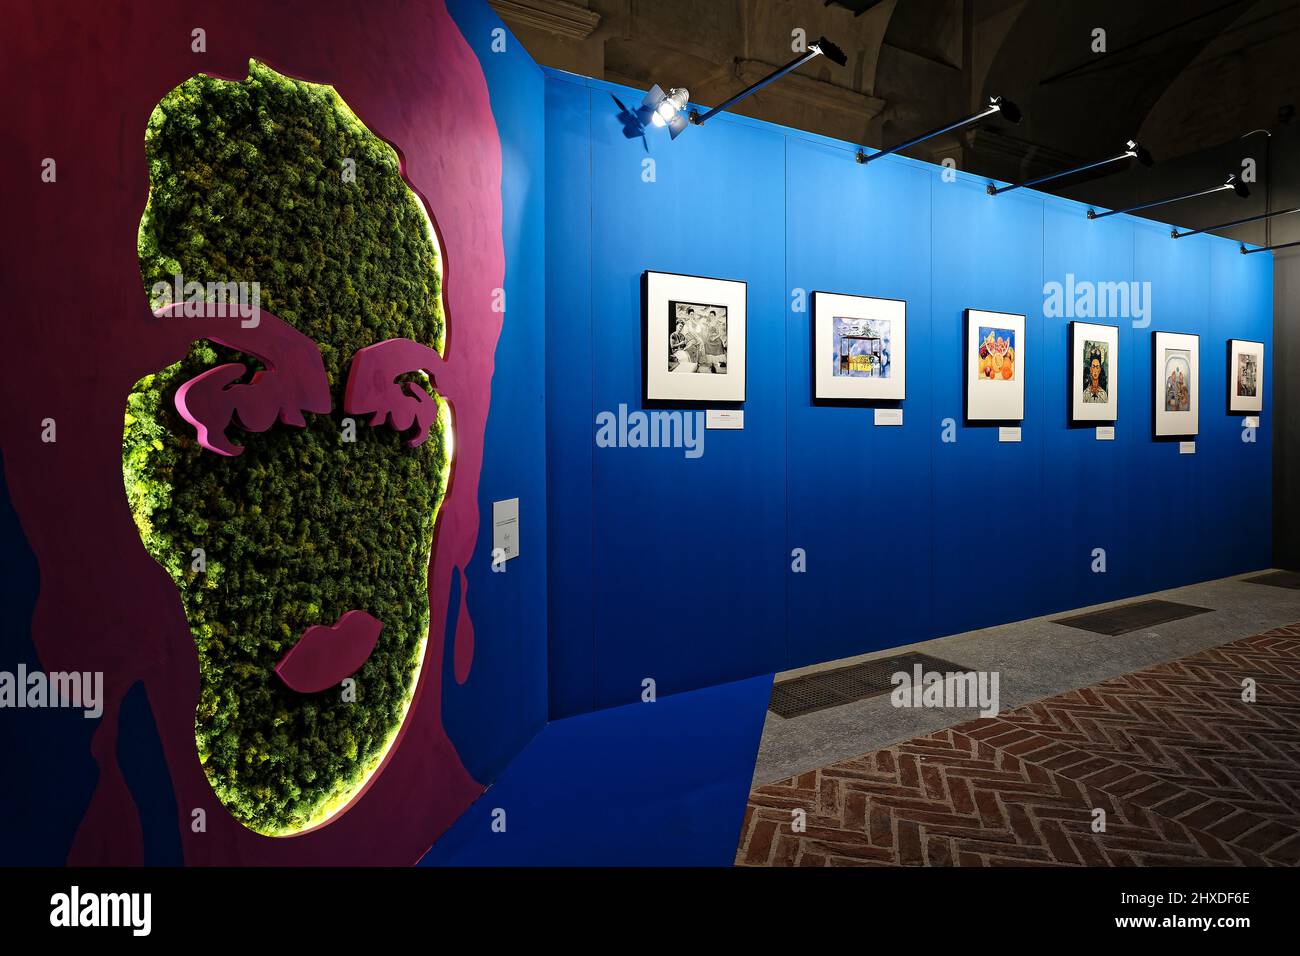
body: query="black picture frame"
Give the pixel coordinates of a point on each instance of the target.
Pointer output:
(967, 421)
(685, 403)
(1232, 381)
(1071, 341)
(817, 400)
(1157, 376)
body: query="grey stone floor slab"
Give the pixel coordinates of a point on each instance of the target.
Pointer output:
(1034, 659)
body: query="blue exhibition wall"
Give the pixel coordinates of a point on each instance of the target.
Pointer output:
(680, 570)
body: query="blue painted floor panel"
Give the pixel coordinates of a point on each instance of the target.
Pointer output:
(647, 784)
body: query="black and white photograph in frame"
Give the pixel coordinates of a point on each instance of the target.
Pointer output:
(859, 348)
(694, 338)
(1245, 376)
(995, 366)
(1094, 372)
(1177, 358)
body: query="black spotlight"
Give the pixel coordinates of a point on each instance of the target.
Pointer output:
(1232, 182)
(1131, 151)
(997, 104)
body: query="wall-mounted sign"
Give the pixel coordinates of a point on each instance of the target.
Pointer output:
(724, 418)
(505, 529)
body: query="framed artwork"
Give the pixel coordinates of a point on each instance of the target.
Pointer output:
(694, 333)
(995, 366)
(859, 348)
(1177, 383)
(1245, 376)
(1094, 372)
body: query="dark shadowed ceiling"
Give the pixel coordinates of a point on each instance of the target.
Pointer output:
(1203, 84)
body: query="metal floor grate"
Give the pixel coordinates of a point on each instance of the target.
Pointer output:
(844, 685)
(1131, 617)
(1278, 579)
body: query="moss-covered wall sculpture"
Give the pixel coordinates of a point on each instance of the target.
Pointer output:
(249, 182)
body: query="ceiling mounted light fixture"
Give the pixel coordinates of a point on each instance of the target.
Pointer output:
(823, 47)
(1175, 234)
(997, 104)
(664, 109)
(1131, 151)
(1232, 182)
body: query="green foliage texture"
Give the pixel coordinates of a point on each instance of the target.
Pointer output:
(246, 185)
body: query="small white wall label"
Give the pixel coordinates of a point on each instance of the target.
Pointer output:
(1187, 448)
(1009, 433)
(724, 418)
(1105, 433)
(1250, 421)
(889, 416)
(505, 528)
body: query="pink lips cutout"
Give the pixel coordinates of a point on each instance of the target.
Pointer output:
(325, 655)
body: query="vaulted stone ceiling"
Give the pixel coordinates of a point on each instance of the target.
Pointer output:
(1188, 78)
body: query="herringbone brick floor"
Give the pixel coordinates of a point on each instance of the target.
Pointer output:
(1187, 773)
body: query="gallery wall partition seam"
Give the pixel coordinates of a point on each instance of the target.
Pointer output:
(570, 387)
(885, 530)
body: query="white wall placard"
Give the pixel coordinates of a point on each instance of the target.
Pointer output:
(724, 418)
(505, 528)
(1250, 421)
(1105, 433)
(889, 416)
(1187, 448)
(1009, 433)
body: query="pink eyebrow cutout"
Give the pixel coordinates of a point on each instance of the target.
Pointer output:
(292, 382)
(372, 388)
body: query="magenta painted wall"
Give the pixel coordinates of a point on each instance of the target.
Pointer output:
(81, 88)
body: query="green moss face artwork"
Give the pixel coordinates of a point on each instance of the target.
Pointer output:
(251, 182)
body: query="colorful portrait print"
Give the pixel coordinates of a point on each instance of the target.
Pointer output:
(1096, 372)
(291, 497)
(997, 354)
(1177, 380)
(862, 348)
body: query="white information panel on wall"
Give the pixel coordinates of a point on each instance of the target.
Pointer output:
(694, 338)
(859, 347)
(1177, 359)
(1245, 376)
(995, 366)
(505, 529)
(1094, 372)
(726, 418)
